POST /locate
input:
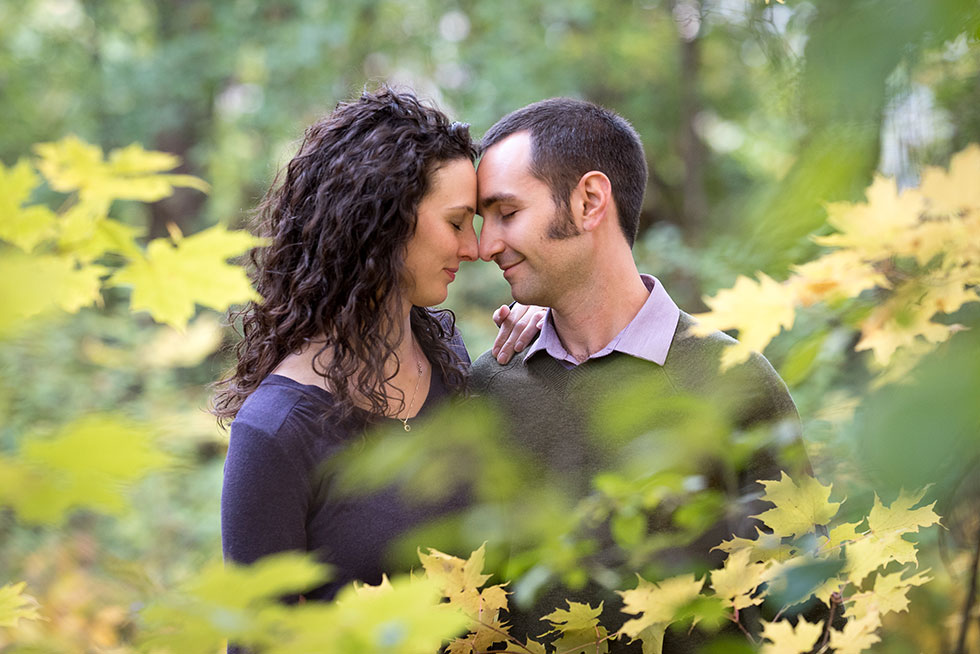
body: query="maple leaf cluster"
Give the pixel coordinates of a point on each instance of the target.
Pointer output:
(803, 535)
(910, 254)
(868, 571)
(63, 253)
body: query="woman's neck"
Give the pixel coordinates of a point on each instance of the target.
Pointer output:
(407, 371)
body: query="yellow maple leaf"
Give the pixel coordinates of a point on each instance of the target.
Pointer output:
(946, 294)
(890, 594)
(885, 542)
(956, 190)
(836, 275)
(757, 309)
(857, 635)
(15, 606)
(798, 507)
(738, 579)
(842, 533)
(898, 323)
(933, 237)
(129, 173)
(171, 278)
(657, 603)
(576, 617)
(873, 228)
(871, 552)
(785, 638)
(764, 547)
(24, 227)
(454, 574)
(899, 516)
(56, 282)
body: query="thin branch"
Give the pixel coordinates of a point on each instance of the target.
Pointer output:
(834, 601)
(971, 598)
(742, 628)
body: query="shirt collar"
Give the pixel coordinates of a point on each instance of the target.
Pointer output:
(647, 336)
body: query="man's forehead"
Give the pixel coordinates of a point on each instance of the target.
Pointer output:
(502, 168)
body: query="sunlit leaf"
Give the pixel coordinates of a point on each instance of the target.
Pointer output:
(953, 191)
(857, 635)
(34, 284)
(25, 227)
(130, 173)
(786, 638)
(170, 279)
(799, 507)
(15, 606)
(579, 629)
(757, 309)
(873, 228)
(738, 579)
(657, 603)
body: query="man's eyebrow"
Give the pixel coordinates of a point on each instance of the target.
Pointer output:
(489, 201)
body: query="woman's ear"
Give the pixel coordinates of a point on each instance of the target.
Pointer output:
(592, 199)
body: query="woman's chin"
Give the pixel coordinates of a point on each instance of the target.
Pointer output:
(431, 299)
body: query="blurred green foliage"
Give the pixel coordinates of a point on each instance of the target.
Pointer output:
(753, 116)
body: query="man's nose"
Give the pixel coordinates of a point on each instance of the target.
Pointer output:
(490, 242)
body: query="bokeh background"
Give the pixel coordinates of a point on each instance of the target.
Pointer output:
(753, 115)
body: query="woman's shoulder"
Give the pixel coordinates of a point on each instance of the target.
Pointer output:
(283, 409)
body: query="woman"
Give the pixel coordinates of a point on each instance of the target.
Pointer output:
(366, 228)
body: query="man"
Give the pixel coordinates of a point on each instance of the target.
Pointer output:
(560, 188)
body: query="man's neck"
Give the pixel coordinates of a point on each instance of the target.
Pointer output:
(590, 319)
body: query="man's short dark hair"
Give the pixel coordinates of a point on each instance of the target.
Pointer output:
(571, 137)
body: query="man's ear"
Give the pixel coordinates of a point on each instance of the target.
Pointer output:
(592, 199)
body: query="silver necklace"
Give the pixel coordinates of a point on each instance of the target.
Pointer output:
(418, 365)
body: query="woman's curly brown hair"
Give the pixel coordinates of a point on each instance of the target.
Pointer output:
(337, 227)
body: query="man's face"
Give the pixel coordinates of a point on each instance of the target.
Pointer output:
(532, 240)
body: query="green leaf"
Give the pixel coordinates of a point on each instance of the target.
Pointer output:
(802, 358)
(239, 586)
(87, 464)
(170, 279)
(628, 527)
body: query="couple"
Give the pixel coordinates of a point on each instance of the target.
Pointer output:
(366, 229)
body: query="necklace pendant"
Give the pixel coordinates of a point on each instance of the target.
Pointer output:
(408, 427)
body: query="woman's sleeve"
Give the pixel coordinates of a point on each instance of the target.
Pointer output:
(264, 497)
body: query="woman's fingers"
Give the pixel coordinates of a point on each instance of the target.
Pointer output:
(519, 325)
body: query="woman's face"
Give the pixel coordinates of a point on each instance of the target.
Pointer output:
(444, 233)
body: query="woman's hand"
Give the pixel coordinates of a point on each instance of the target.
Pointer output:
(518, 327)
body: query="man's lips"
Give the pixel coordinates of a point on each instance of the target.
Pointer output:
(508, 266)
